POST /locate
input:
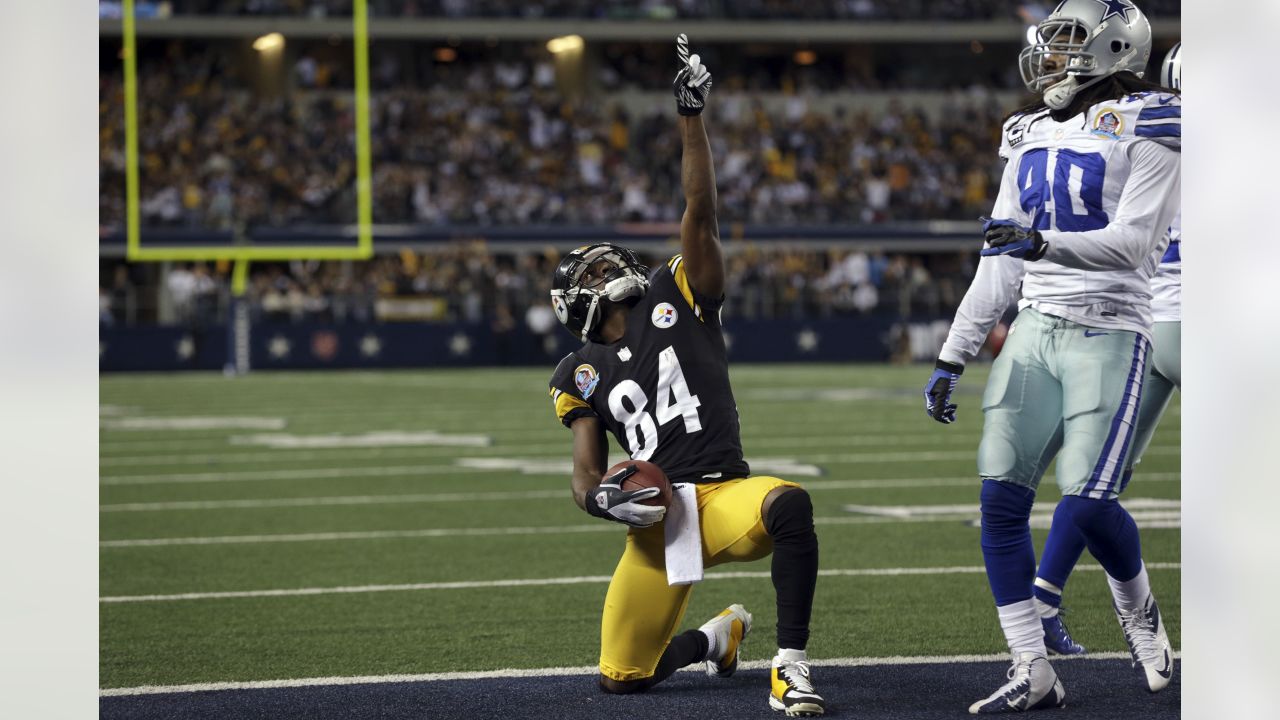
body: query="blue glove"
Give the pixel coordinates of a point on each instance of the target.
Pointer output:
(1005, 237)
(937, 392)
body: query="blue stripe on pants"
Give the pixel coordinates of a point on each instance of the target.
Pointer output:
(1105, 473)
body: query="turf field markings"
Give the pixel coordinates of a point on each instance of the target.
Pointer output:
(529, 465)
(584, 670)
(499, 496)
(557, 438)
(551, 444)
(562, 494)
(1149, 513)
(298, 474)
(910, 512)
(579, 580)
(815, 485)
(752, 434)
(1146, 521)
(211, 422)
(358, 535)
(829, 394)
(376, 439)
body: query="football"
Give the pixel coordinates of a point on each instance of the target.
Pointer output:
(647, 475)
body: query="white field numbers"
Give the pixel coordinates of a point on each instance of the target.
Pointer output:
(673, 401)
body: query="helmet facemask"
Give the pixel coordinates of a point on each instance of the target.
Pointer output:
(1082, 43)
(1059, 43)
(590, 277)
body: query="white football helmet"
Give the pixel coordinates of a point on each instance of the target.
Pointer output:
(1171, 70)
(1084, 39)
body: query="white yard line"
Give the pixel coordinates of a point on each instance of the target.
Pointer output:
(297, 474)
(553, 444)
(203, 422)
(360, 535)
(570, 672)
(539, 582)
(541, 464)
(514, 428)
(1146, 521)
(815, 485)
(338, 500)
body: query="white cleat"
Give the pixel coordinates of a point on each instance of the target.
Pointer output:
(1033, 685)
(730, 628)
(1148, 644)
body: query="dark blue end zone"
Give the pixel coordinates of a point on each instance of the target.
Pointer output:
(1096, 689)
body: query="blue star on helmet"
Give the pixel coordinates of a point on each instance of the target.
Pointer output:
(1116, 7)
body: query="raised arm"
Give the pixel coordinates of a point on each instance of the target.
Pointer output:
(699, 231)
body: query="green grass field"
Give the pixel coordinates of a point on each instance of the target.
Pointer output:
(223, 512)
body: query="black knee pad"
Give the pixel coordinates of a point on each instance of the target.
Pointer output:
(790, 516)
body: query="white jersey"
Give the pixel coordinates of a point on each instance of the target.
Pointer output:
(1166, 286)
(1102, 188)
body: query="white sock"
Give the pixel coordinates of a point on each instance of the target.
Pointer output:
(1044, 609)
(1130, 593)
(1022, 628)
(713, 652)
(789, 655)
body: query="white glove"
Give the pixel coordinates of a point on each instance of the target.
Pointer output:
(609, 501)
(693, 82)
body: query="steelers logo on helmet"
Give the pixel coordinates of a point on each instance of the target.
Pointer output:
(562, 310)
(664, 315)
(590, 277)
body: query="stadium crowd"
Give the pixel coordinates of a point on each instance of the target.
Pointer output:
(469, 283)
(648, 9)
(495, 143)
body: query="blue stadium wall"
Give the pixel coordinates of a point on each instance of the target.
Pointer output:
(425, 345)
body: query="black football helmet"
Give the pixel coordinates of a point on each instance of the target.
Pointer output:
(592, 274)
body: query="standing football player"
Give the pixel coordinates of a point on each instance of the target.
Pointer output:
(1091, 184)
(653, 371)
(1063, 547)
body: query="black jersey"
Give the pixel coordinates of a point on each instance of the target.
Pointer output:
(663, 389)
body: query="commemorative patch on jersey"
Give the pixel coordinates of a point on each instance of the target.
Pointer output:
(586, 379)
(1108, 123)
(664, 315)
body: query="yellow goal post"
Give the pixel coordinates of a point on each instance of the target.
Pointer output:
(243, 255)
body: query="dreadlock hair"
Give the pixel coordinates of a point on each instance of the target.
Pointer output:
(1116, 86)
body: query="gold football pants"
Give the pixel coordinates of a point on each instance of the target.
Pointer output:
(641, 611)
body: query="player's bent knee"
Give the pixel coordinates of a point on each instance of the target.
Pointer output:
(787, 511)
(624, 687)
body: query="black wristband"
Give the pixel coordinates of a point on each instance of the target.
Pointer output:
(952, 368)
(688, 112)
(1041, 246)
